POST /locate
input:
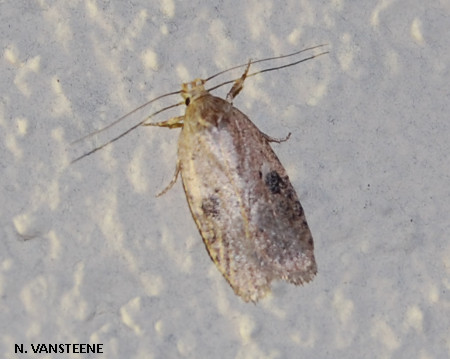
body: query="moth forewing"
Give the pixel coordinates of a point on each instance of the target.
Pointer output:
(239, 194)
(240, 197)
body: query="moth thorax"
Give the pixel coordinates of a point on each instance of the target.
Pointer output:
(193, 89)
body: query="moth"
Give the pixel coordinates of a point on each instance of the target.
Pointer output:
(240, 196)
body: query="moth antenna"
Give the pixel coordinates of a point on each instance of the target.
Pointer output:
(181, 103)
(265, 59)
(271, 68)
(96, 132)
(129, 130)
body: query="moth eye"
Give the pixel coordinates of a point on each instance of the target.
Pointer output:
(188, 101)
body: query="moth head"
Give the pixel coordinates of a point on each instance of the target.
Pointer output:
(192, 90)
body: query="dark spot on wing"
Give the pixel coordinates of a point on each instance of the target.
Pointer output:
(298, 209)
(274, 182)
(210, 206)
(290, 194)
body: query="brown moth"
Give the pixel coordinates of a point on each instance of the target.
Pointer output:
(239, 194)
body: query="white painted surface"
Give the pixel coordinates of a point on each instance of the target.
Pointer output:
(89, 255)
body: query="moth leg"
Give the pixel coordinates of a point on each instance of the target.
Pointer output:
(174, 122)
(275, 139)
(172, 182)
(238, 85)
